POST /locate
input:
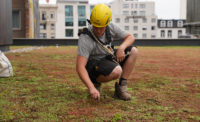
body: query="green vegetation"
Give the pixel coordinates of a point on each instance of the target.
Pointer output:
(164, 86)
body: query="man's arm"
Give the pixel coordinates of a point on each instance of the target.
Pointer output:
(83, 74)
(128, 41)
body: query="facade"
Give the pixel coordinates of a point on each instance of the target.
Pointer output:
(48, 17)
(183, 7)
(25, 18)
(71, 16)
(193, 17)
(170, 29)
(137, 18)
(5, 24)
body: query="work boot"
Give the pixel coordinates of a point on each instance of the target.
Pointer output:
(97, 86)
(121, 91)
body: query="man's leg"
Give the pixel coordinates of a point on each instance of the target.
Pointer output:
(121, 88)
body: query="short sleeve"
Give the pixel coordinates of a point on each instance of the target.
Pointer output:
(84, 46)
(118, 34)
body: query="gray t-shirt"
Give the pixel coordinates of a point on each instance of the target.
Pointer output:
(89, 48)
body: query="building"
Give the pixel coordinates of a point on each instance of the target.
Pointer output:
(5, 24)
(48, 13)
(72, 15)
(137, 18)
(193, 17)
(183, 7)
(170, 29)
(25, 18)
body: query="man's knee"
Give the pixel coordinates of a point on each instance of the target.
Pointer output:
(134, 51)
(116, 73)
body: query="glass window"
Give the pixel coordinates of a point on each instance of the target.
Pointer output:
(142, 6)
(153, 20)
(69, 11)
(180, 24)
(142, 13)
(52, 15)
(135, 20)
(69, 32)
(68, 21)
(44, 16)
(153, 36)
(125, 13)
(144, 20)
(179, 33)
(91, 7)
(126, 20)
(144, 35)
(170, 24)
(42, 26)
(162, 33)
(134, 13)
(117, 20)
(81, 16)
(135, 35)
(126, 27)
(144, 28)
(69, 16)
(16, 24)
(135, 27)
(52, 26)
(43, 35)
(169, 33)
(153, 28)
(162, 24)
(125, 5)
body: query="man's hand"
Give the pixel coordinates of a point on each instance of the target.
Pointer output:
(120, 55)
(95, 94)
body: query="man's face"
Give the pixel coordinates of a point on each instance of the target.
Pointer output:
(99, 31)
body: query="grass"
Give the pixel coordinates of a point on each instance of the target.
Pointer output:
(164, 87)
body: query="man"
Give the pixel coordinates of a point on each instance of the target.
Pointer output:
(93, 65)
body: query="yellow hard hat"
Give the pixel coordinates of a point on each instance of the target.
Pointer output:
(100, 16)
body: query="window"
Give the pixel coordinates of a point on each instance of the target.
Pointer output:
(180, 24)
(126, 27)
(179, 33)
(153, 20)
(153, 36)
(52, 26)
(69, 16)
(144, 20)
(134, 13)
(162, 33)
(81, 16)
(136, 5)
(135, 35)
(44, 16)
(142, 13)
(162, 24)
(142, 6)
(153, 28)
(125, 13)
(132, 6)
(125, 5)
(135, 27)
(117, 20)
(91, 7)
(52, 35)
(135, 20)
(42, 26)
(170, 24)
(144, 35)
(126, 20)
(169, 33)
(16, 19)
(69, 32)
(43, 35)
(144, 28)
(52, 15)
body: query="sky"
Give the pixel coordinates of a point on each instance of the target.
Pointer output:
(165, 9)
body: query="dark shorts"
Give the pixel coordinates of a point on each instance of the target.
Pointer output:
(104, 66)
